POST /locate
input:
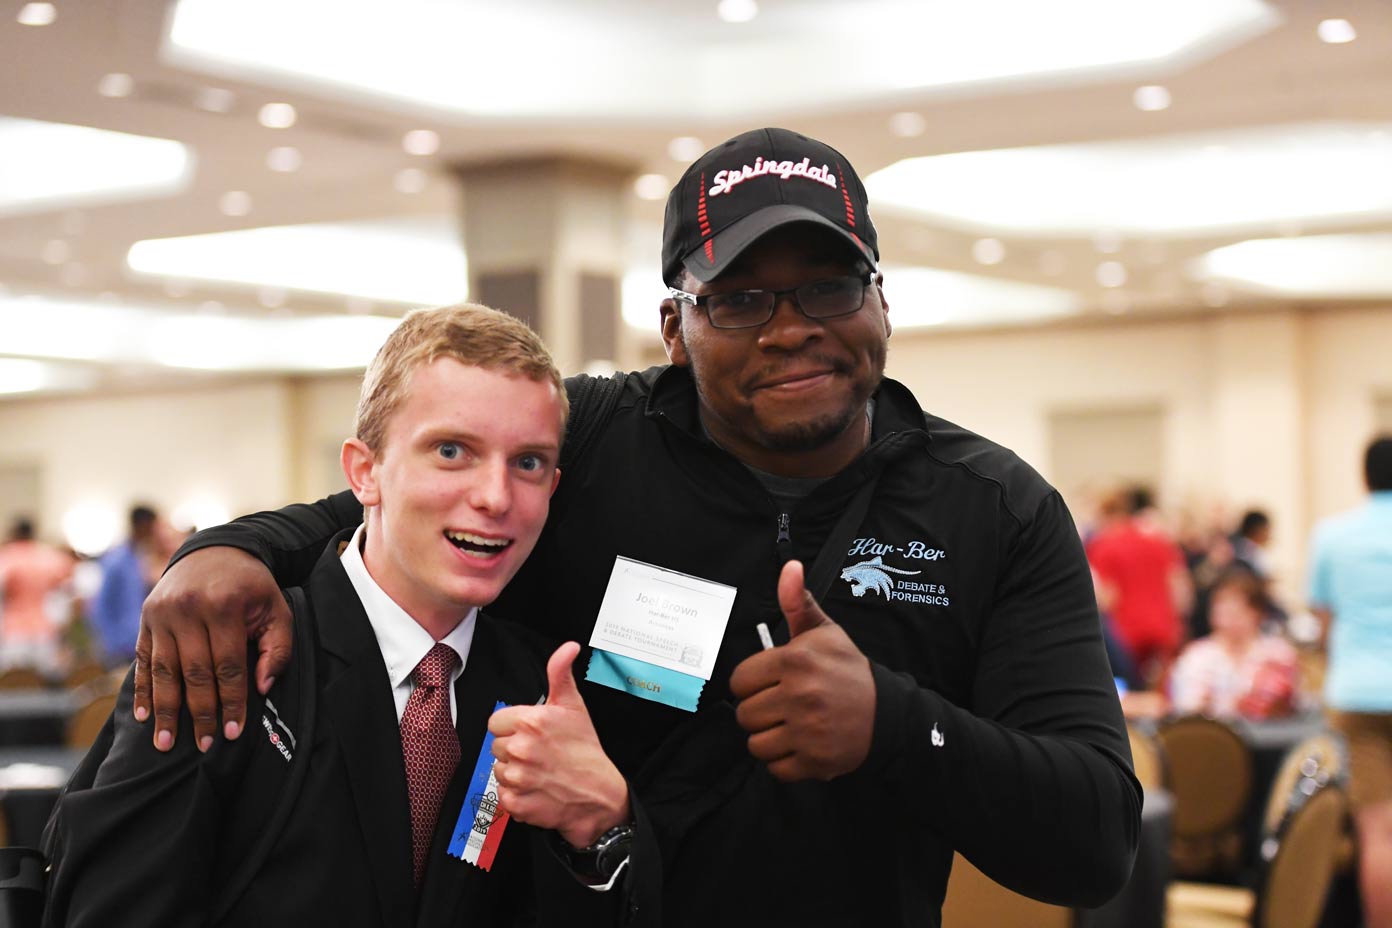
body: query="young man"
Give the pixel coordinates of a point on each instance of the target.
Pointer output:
(947, 691)
(454, 461)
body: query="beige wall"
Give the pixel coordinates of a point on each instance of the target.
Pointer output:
(1269, 409)
(246, 446)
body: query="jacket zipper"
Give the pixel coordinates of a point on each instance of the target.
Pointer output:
(784, 546)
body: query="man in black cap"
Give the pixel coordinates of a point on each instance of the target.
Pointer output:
(935, 678)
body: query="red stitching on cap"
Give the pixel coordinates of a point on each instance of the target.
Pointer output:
(701, 211)
(845, 195)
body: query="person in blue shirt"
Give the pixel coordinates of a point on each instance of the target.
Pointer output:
(126, 581)
(1351, 591)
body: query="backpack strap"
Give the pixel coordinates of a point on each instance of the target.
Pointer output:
(307, 691)
(592, 403)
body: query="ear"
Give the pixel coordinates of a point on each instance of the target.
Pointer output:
(884, 304)
(360, 467)
(555, 481)
(672, 333)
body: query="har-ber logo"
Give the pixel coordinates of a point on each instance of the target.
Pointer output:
(874, 575)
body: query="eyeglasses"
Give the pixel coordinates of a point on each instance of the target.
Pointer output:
(747, 309)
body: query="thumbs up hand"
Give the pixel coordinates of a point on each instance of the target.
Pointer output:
(809, 705)
(551, 770)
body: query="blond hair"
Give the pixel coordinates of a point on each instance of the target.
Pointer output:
(471, 334)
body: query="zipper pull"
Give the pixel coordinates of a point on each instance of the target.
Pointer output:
(784, 521)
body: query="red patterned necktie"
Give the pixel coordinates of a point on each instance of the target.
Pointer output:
(429, 745)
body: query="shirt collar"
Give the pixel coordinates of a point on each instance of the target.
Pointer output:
(401, 639)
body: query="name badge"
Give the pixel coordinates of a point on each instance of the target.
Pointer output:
(658, 633)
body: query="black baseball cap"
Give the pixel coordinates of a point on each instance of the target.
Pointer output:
(757, 181)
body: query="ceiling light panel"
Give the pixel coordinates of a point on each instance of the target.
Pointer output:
(409, 51)
(414, 261)
(57, 329)
(1319, 265)
(48, 165)
(1220, 182)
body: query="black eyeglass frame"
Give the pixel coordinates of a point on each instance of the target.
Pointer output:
(866, 278)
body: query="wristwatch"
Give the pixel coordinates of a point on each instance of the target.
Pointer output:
(599, 863)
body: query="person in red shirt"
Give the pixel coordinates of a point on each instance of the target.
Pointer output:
(1142, 584)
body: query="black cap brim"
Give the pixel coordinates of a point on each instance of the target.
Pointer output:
(729, 243)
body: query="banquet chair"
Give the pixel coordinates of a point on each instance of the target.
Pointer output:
(1147, 758)
(1209, 772)
(84, 673)
(1313, 763)
(88, 720)
(22, 678)
(974, 900)
(1292, 884)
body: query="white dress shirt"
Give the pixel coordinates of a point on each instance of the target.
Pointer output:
(402, 640)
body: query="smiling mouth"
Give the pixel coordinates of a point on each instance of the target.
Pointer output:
(794, 381)
(477, 546)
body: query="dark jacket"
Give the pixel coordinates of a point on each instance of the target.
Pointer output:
(156, 835)
(997, 732)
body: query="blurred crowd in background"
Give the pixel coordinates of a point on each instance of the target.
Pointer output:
(1190, 611)
(59, 610)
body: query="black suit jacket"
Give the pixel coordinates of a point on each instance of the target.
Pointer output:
(156, 836)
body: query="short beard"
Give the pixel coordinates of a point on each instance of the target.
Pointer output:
(799, 437)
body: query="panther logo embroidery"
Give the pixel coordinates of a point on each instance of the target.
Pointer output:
(872, 575)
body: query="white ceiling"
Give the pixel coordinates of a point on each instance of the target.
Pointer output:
(619, 80)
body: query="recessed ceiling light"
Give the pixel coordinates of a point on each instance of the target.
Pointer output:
(1111, 274)
(1153, 187)
(418, 261)
(737, 11)
(284, 159)
(277, 116)
(908, 125)
(988, 251)
(1151, 98)
(409, 180)
(46, 165)
(685, 148)
(1336, 31)
(420, 142)
(215, 100)
(652, 187)
(55, 252)
(115, 85)
(37, 14)
(235, 203)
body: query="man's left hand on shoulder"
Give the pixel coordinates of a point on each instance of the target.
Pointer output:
(808, 705)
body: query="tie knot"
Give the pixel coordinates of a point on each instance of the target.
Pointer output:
(435, 668)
